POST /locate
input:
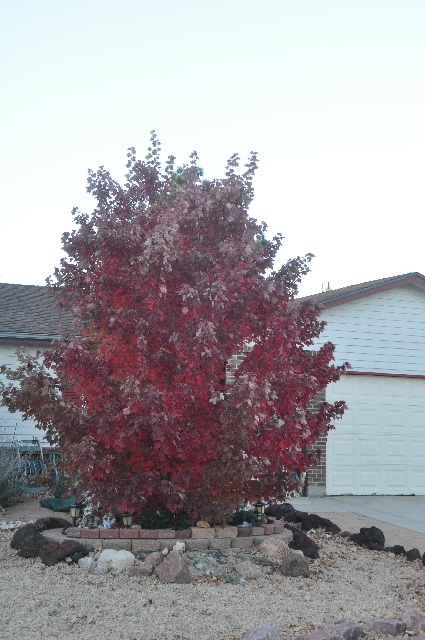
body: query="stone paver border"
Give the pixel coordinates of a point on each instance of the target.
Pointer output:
(195, 538)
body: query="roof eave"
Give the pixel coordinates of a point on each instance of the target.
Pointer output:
(405, 280)
(28, 336)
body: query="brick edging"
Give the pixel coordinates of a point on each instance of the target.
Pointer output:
(191, 544)
(196, 533)
(198, 540)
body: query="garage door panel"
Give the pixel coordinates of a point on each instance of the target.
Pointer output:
(367, 480)
(379, 445)
(396, 480)
(394, 451)
(418, 482)
(395, 420)
(369, 450)
(342, 480)
(416, 451)
(343, 448)
(417, 422)
(368, 418)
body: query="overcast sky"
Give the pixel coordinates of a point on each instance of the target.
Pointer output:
(331, 93)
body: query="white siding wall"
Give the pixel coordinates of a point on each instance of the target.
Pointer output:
(12, 423)
(382, 333)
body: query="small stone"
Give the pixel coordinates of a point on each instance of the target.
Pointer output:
(165, 551)
(179, 546)
(413, 554)
(303, 543)
(369, 537)
(174, 569)
(397, 550)
(265, 632)
(139, 571)
(113, 560)
(121, 561)
(249, 570)
(295, 566)
(85, 563)
(98, 570)
(384, 626)
(273, 548)
(341, 630)
(414, 619)
(154, 559)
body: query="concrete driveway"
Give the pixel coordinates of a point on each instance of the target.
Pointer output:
(401, 518)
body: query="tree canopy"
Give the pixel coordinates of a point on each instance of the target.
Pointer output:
(166, 279)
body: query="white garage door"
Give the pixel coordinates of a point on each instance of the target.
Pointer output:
(379, 445)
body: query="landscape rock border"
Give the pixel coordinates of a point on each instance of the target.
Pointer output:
(412, 621)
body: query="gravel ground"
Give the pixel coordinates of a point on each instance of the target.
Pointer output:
(64, 601)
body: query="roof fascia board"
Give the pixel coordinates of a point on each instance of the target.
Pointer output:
(27, 336)
(417, 280)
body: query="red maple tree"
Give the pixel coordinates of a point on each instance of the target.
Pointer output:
(167, 279)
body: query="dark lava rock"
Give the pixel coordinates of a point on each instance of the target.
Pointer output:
(314, 521)
(423, 559)
(28, 542)
(28, 539)
(413, 554)
(369, 537)
(303, 543)
(44, 524)
(397, 550)
(279, 511)
(295, 516)
(54, 552)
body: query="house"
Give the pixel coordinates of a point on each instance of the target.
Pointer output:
(29, 318)
(378, 447)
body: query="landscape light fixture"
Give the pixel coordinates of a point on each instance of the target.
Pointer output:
(259, 507)
(127, 520)
(74, 512)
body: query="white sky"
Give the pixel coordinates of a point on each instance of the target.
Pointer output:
(331, 93)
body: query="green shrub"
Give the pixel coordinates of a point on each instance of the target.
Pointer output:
(163, 519)
(246, 515)
(12, 473)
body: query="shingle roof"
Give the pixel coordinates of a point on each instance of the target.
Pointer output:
(364, 288)
(28, 311)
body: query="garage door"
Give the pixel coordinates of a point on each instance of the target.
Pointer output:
(379, 445)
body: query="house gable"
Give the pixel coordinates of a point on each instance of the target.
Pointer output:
(380, 333)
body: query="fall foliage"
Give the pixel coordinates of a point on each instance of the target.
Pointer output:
(167, 279)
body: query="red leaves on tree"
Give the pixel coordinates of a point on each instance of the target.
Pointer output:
(167, 279)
